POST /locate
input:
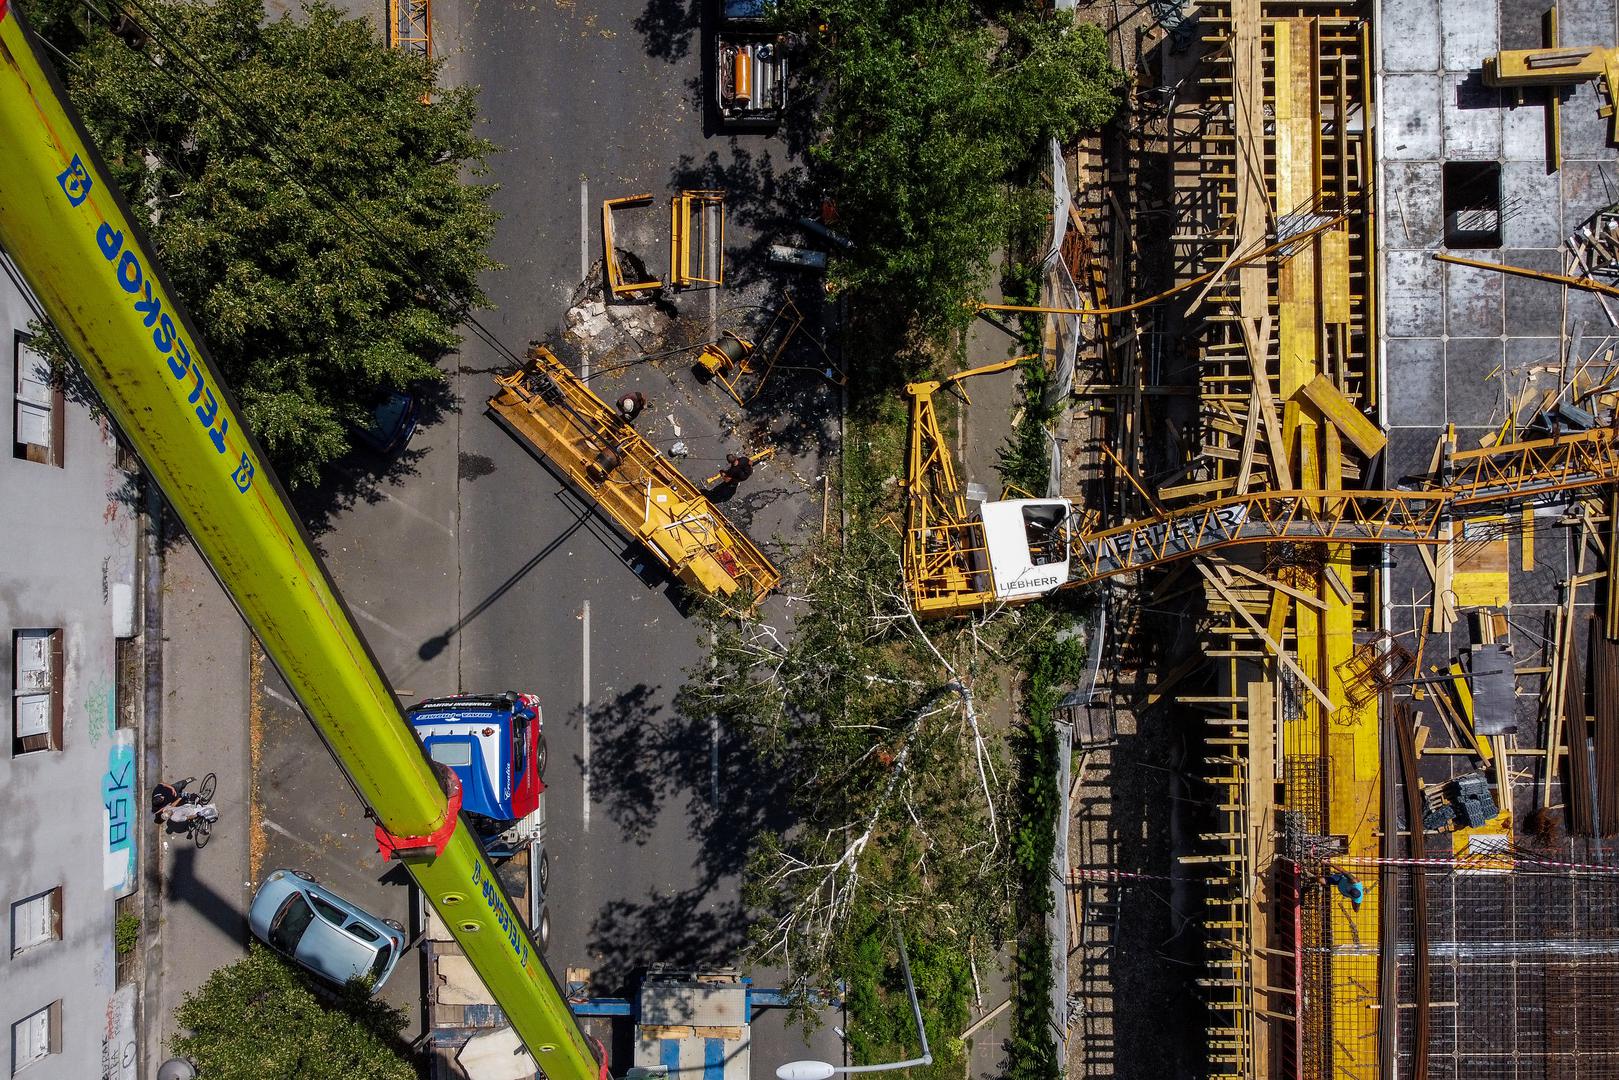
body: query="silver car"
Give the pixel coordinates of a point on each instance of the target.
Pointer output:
(323, 932)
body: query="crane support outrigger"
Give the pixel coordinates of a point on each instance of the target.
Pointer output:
(71, 235)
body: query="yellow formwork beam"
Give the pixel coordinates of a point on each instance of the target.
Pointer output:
(607, 459)
(1350, 421)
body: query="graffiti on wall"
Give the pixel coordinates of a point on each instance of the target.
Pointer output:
(118, 1037)
(120, 811)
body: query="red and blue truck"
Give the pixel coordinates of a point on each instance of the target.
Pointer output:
(495, 744)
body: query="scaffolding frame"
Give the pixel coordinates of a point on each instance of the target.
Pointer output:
(697, 221)
(616, 283)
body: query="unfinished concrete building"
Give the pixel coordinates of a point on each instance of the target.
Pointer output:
(1408, 753)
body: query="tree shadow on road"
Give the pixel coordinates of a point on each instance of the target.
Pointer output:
(640, 756)
(680, 929)
(749, 801)
(669, 27)
(364, 476)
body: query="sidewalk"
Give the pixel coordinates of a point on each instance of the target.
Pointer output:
(203, 727)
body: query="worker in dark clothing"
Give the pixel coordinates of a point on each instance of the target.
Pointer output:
(631, 405)
(737, 468)
(1347, 887)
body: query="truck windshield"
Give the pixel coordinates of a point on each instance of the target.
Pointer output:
(287, 929)
(456, 753)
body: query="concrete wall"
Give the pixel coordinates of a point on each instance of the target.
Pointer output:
(71, 816)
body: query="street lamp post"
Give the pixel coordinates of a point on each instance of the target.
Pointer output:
(823, 1070)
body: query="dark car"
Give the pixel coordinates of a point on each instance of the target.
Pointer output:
(391, 424)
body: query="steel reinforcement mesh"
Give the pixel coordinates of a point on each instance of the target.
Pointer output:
(1524, 975)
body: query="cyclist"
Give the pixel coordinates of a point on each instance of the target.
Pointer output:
(164, 797)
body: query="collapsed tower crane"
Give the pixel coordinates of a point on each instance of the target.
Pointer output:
(1010, 551)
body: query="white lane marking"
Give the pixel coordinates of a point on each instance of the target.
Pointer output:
(361, 613)
(279, 696)
(584, 228)
(320, 853)
(268, 824)
(584, 712)
(415, 513)
(714, 760)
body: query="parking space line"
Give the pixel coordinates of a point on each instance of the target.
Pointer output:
(584, 228)
(324, 856)
(584, 713)
(361, 613)
(272, 692)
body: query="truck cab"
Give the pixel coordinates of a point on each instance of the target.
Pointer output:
(495, 744)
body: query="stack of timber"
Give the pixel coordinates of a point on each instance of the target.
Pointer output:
(1605, 675)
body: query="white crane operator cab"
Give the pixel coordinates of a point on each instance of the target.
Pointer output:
(1028, 545)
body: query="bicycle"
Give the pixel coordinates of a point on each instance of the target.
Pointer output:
(198, 822)
(204, 793)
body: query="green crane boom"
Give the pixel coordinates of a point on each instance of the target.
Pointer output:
(75, 242)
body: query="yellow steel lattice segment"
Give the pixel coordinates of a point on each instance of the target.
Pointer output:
(615, 272)
(548, 406)
(697, 238)
(410, 26)
(946, 561)
(1476, 478)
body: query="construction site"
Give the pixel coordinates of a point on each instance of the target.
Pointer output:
(1336, 302)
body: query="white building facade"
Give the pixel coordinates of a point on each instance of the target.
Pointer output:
(71, 799)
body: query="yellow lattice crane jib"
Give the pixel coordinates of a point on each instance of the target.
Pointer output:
(410, 26)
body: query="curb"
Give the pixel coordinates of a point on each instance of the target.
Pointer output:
(148, 1002)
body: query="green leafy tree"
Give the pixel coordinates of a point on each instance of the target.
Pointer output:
(924, 114)
(258, 1020)
(308, 205)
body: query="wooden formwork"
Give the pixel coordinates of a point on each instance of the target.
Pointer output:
(1278, 134)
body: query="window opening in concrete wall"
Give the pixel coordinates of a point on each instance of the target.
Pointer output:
(36, 691)
(36, 920)
(36, 1036)
(37, 434)
(1472, 194)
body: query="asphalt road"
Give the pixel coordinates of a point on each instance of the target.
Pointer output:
(471, 567)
